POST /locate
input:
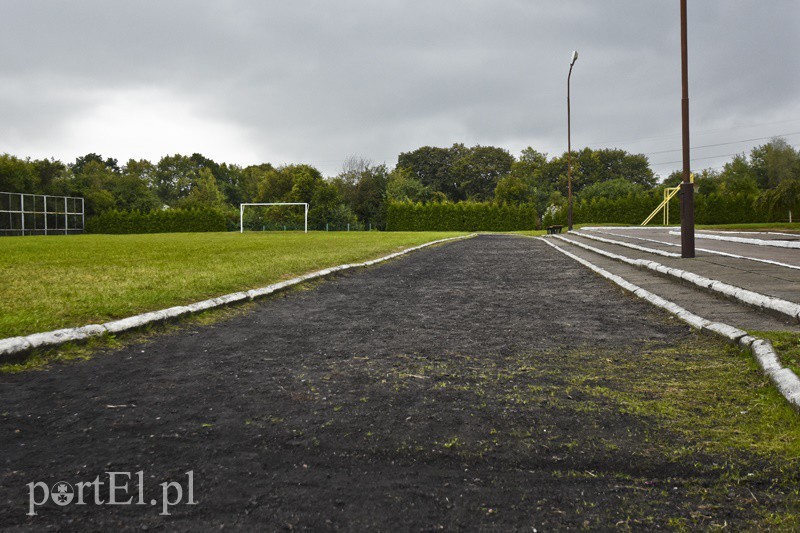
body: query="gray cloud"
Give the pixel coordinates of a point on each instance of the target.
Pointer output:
(318, 81)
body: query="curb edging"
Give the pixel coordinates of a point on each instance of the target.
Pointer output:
(25, 343)
(786, 381)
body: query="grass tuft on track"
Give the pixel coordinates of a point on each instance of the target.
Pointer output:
(51, 282)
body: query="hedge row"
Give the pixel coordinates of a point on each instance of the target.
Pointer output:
(167, 221)
(461, 216)
(633, 209)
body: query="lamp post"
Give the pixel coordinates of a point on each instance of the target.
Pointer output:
(569, 146)
(687, 188)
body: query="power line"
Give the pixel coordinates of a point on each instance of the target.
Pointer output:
(704, 158)
(700, 132)
(727, 143)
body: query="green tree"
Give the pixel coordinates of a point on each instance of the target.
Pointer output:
(94, 183)
(173, 178)
(479, 169)
(205, 193)
(528, 167)
(80, 162)
(18, 175)
(512, 190)
(275, 185)
(250, 179)
(458, 172)
(774, 162)
(595, 166)
(305, 180)
(737, 177)
(781, 200)
(363, 189)
(48, 170)
(403, 186)
(611, 189)
(432, 166)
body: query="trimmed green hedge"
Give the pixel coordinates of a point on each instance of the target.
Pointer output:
(461, 216)
(633, 209)
(167, 221)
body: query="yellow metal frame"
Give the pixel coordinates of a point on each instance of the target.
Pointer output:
(669, 193)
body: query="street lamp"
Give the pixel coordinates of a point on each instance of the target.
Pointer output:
(569, 146)
(687, 188)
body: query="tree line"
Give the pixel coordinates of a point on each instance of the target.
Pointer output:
(361, 192)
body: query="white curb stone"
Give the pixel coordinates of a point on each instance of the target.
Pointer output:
(747, 341)
(14, 345)
(725, 330)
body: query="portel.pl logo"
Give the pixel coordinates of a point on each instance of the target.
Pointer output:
(113, 491)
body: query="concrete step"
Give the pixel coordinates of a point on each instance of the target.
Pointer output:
(764, 278)
(705, 304)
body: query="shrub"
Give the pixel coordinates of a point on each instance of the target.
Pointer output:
(633, 209)
(167, 221)
(461, 216)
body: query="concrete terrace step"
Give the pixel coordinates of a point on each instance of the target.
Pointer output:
(666, 239)
(764, 278)
(711, 306)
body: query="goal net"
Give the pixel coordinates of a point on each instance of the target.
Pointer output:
(273, 216)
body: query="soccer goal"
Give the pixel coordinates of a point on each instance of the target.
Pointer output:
(242, 206)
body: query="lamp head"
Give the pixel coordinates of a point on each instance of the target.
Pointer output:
(574, 57)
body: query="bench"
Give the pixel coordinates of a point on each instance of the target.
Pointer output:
(553, 229)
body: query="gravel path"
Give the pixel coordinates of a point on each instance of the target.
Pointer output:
(389, 397)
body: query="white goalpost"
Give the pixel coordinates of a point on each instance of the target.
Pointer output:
(242, 206)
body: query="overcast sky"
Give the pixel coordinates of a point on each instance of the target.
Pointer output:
(249, 81)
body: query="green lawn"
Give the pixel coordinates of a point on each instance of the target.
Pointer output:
(62, 281)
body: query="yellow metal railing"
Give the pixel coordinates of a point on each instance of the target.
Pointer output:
(669, 193)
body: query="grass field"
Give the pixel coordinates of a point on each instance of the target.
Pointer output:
(56, 281)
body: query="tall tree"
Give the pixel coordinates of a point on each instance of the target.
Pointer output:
(512, 190)
(80, 162)
(362, 186)
(479, 169)
(205, 192)
(18, 175)
(433, 168)
(249, 180)
(737, 177)
(774, 162)
(174, 176)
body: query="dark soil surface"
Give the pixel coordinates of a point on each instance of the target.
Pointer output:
(437, 391)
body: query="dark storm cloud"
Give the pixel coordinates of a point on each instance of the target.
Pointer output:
(319, 81)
